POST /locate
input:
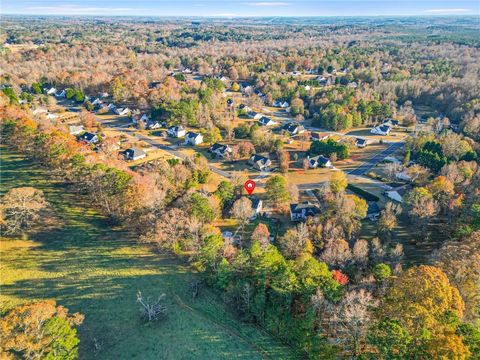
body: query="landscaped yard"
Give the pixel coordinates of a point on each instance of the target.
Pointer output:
(84, 263)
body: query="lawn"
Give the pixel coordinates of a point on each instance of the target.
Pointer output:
(89, 266)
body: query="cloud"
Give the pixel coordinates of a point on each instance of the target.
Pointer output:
(269, 3)
(447, 11)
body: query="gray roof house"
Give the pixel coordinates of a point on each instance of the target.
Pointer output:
(293, 128)
(319, 161)
(134, 154)
(176, 131)
(259, 162)
(220, 150)
(266, 121)
(193, 138)
(300, 212)
(89, 138)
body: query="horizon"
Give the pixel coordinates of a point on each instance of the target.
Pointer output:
(243, 9)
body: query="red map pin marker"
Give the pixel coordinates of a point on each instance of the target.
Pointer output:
(250, 186)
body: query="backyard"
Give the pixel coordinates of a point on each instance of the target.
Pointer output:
(83, 262)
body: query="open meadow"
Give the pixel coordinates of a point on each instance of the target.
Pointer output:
(90, 266)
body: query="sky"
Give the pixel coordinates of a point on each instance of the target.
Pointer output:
(241, 8)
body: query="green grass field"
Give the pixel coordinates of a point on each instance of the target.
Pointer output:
(87, 265)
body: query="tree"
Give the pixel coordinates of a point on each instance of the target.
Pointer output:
(40, 330)
(388, 218)
(338, 182)
(283, 160)
(381, 272)
(277, 191)
(21, 208)
(262, 235)
(297, 107)
(201, 208)
(421, 204)
(329, 147)
(225, 192)
(152, 310)
(235, 87)
(213, 135)
(425, 310)
(242, 211)
(293, 243)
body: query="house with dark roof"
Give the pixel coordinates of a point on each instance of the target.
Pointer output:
(259, 162)
(266, 121)
(293, 128)
(254, 115)
(220, 150)
(192, 138)
(134, 154)
(176, 131)
(381, 130)
(257, 206)
(360, 143)
(319, 161)
(301, 211)
(89, 138)
(316, 136)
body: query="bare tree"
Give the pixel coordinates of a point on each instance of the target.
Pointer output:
(152, 310)
(21, 208)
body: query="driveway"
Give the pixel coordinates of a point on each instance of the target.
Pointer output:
(374, 160)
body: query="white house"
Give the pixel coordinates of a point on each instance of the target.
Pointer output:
(266, 121)
(176, 131)
(307, 87)
(360, 143)
(97, 101)
(259, 162)
(257, 206)
(293, 128)
(51, 91)
(315, 136)
(381, 130)
(319, 161)
(220, 150)
(192, 138)
(403, 176)
(89, 138)
(254, 115)
(153, 124)
(122, 111)
(134, 154)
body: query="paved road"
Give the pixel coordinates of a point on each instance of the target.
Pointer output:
(374, 160)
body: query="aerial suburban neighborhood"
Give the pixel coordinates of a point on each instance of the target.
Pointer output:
(238, 186)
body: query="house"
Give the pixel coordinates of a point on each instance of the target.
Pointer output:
(220, 150)
(381, 130)
(60, 94)
(319, 161)
(229, 102)
(112, 107)
(193, 138)
(134, 154)
(257, 206)
(122, 111)
(136, 118)
(244, 108)
(360, 143)
(300, 212)
(390, 122)
(281, 104)
(293, 128)
(97, 101)
(307, 87)
(89, 138)
(315, 136)
(76, 129)
(254, 115)
(153, 124)
(394, 195)
(176, 131)
(52, 116)
(51, 91)
(259, 162)
(266, 121)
